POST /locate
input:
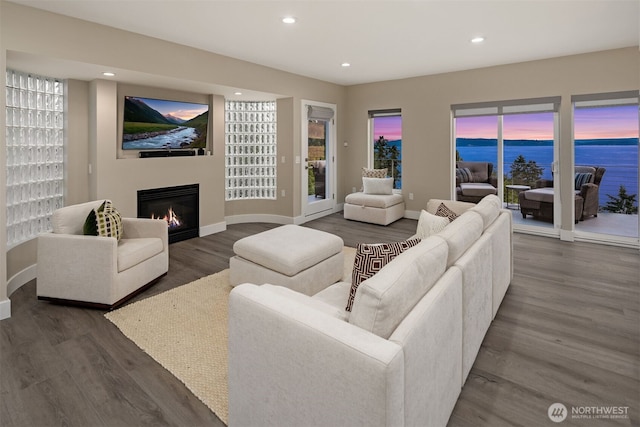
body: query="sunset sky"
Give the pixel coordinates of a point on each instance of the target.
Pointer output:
(390, 127)
(590, 123)
(182, 110)
(611, 122)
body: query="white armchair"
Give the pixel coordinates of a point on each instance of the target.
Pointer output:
(96, 271)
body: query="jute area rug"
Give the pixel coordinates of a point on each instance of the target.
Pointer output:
(185, 330)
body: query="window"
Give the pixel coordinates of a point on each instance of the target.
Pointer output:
(517, 137)
(386, 143)
(251, 144)
(35, 113)
(477, 139)
(605, 132)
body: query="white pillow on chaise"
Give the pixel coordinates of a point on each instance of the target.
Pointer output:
(377, 185)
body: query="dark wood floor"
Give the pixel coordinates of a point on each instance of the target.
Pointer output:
(567, 331)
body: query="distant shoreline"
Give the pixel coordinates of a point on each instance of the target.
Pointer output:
(485, 142)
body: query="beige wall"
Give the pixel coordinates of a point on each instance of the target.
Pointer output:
(426, 112)
(76, 148)
(118, 175)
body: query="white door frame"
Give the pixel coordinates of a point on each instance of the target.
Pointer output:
(327, 205)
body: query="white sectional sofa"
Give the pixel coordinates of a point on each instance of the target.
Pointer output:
(399, 358)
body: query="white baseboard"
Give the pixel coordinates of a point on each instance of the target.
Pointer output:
(17, 280)
(412, 214)
(213, 228)
(271, 219)
(20, 278)
(5, 309)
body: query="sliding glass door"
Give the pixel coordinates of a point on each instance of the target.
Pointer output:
(477, 139)
(519, 139)
(529, 153)
(606, 129)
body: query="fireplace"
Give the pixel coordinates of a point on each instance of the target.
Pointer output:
(179, 206)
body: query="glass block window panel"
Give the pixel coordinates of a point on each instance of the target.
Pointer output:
(250, 144)
(35, 153)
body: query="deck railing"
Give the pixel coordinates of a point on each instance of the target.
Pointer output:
(394, 170)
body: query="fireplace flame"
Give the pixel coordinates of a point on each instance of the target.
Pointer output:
(170, 217)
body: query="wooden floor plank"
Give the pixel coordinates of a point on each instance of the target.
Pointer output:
(55, 401)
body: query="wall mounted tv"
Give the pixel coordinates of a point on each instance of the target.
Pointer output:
(156, 124)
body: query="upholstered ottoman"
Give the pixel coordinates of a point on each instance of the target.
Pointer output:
(538, 202)
(477, 189)
(382, 209)
(299, 258)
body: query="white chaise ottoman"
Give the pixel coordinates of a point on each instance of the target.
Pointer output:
(381, 209)
(300, 258)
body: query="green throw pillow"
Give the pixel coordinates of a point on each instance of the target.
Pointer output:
(90, 227)
(104, 221)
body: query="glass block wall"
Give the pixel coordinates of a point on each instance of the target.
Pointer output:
(35, 157)
(250, 144)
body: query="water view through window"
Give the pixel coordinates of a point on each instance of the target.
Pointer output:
(605, 137)
(387, 146)
(608, 137)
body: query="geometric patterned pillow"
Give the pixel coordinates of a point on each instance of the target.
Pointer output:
(374, 173)
(104, 221)
(443, 210)
(109, 222)
(370, 258)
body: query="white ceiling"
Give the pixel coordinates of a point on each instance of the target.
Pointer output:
(383, 40)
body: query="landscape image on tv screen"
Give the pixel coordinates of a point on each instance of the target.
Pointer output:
(152, 124)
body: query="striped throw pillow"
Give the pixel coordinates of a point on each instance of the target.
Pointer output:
(582, 178)
(464, 175)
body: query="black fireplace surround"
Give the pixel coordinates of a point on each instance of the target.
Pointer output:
(179, 206)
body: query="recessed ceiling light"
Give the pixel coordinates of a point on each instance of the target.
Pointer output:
(345, 64)
(108, 74)
(477, 39)
(238, 93)
(289, 20)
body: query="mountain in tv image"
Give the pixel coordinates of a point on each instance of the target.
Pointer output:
(173, 119)
(145, 127)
